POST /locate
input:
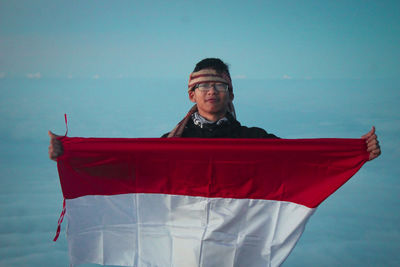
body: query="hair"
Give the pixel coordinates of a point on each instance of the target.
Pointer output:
(212, 63)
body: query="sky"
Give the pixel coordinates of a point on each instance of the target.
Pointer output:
(300, 69)
(261, 39)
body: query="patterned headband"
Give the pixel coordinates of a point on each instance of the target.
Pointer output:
(207, 76)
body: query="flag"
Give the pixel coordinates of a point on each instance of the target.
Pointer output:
(197, 202)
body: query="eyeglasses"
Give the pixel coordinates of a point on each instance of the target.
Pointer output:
(205, 87)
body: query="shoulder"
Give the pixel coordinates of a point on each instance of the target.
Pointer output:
(250, 132)
(255, 132)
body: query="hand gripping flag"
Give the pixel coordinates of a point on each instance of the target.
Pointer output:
(197, 202)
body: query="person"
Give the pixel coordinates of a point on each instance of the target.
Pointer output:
(213, 114)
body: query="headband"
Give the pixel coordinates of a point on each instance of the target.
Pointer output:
(208, 76)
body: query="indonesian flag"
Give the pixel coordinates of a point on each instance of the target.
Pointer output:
(197, 202)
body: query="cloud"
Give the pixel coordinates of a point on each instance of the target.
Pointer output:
(286, 77)
(240, 77)
(96, 76)
(36, 75)
(2, 75)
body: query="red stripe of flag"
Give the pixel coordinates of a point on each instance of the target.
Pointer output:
(303, 171)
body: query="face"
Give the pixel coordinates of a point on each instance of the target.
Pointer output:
(211, 104)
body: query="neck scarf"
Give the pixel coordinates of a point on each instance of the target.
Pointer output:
(201, 121)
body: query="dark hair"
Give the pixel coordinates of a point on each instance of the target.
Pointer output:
(212, 63)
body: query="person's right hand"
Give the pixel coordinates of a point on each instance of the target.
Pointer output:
(55, 147)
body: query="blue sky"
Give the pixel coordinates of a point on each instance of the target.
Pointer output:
(260, 39)
(301, 69)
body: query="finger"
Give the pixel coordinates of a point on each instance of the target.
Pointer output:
(372, 136)
(55, 149)
(367, 135)
(53, 157)
(53, 135)
(373, 144)
(374, 149)
(374, 155)
(51, 153)
(54, 154)
(55, 142)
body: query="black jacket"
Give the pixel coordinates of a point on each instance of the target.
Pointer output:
(228, 129)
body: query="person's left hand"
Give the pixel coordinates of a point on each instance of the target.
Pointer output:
(55, 148)
(372, 144)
